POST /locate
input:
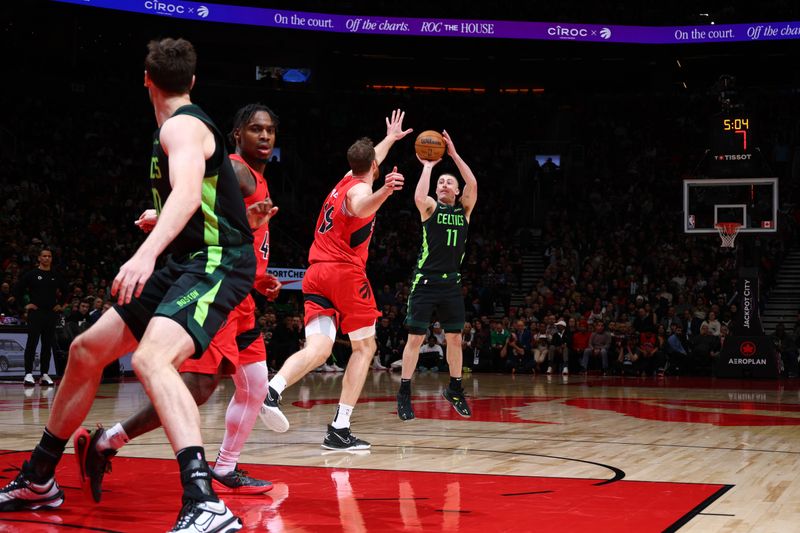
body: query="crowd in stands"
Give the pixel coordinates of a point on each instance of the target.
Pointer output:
(624, 290)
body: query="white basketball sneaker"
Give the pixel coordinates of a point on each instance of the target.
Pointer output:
(206, 517)
(22, 493)
(271, 414)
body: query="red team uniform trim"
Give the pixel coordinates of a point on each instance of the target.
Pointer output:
(223, 353)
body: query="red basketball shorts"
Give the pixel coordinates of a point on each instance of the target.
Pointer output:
(341, 291)
(228, 349)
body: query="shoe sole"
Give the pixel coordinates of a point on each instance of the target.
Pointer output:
(359, 448)
(22, 505)
(245, 490)
(274, 419)
(234, 524)
(468, 415)
(81, 443)
(51, 504)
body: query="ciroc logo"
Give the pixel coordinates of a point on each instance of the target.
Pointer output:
(164, 7)
(202, 11)
(578, 32)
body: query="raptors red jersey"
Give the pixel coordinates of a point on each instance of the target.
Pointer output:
(340, 237)
(260, 235)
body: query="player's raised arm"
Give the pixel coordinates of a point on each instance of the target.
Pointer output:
(362, 202)
(470, 195)
(394, 132)
(425, 204)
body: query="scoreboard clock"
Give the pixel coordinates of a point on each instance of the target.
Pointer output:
(733, 148)
(733, 138)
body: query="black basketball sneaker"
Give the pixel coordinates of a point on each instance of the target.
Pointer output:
(271, 414)
(404, 409)
(343, 440)
(238, 482)
(92, 464)
(458, 401)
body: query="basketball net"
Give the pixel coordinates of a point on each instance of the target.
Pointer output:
(728, 232)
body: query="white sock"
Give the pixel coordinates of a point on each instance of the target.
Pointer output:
(278, 383)
(342, 418)
(226, 461)
(114, 438)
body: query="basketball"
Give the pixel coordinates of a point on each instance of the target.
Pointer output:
(430, 145)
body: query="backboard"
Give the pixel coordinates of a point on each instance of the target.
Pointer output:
(752, 202)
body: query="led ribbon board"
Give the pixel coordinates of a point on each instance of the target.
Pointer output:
(434, 27)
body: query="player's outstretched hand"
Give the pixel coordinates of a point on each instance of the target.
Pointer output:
(260, 213)
(451, 148)
(394, 181)
(269, 286)
(147, 220)
(394, 126)
(131, 278)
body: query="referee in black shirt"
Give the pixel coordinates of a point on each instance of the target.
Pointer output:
(41, 285)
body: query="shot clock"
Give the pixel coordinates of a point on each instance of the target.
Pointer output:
(733, 148)
(735, 131)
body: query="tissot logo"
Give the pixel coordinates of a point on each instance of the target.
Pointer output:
(733, 157)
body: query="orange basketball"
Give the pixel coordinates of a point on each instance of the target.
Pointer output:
(430, 145)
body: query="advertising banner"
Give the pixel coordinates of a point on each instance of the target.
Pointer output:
(435, 27)
(748, 352)
(12, 354)
(290, 278)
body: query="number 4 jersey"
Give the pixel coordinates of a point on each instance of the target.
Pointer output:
(444, 238)
(261, 234)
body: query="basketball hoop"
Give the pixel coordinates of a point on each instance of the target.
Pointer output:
(728, 232)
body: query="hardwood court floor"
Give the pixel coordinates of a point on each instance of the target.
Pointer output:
(539, 454)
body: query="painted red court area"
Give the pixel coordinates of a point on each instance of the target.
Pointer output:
(144, 495)
(695, 411)
(507, 409)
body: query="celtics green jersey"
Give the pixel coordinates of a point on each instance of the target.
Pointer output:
(220, 220)
(444, 238)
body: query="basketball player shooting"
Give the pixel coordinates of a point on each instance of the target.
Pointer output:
(436, 283)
